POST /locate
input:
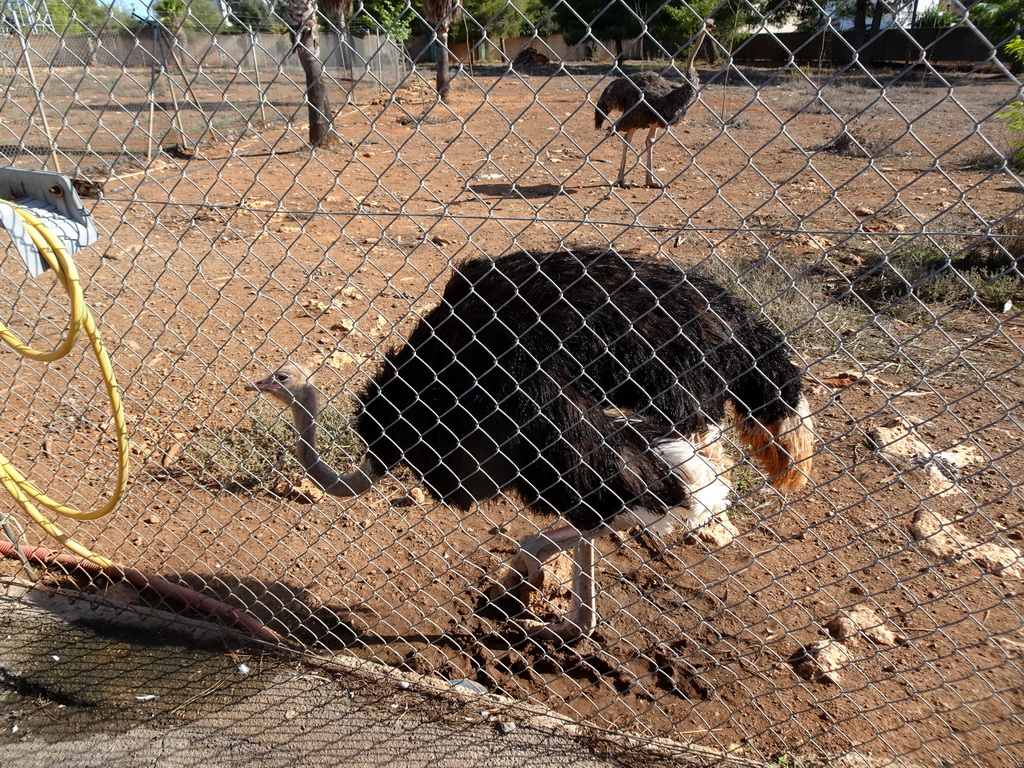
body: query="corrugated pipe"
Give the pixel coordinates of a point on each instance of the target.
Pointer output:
(175, 593)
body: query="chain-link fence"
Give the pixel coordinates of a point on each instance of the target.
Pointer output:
(865, 206)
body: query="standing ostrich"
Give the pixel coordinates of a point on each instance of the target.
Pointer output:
(648, 100)
(583, 383)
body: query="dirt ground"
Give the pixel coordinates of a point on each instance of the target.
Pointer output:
(877, 611)
(179, 698)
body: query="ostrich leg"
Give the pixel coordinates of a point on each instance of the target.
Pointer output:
(628, 139)
(651, 181)
(525, 567)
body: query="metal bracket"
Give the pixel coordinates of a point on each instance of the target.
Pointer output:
(52, 199)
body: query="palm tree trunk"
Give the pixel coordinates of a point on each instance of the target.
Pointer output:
(306, 43)
(441, 14)
(860, 23)
(443, 85)
(321, 128)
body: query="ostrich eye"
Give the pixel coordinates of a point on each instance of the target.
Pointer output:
(282, 377)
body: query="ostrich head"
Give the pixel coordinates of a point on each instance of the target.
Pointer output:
(691, 71)
(292, 384)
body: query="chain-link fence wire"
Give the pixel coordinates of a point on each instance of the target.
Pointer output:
(866, 205)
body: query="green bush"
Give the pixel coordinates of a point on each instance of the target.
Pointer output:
(935, 18)
(391, 17)
(1014, 112)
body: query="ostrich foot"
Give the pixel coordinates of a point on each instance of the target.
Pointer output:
(565, 631)
(653, 183)
(536, 599)
(537, 587)
(537, 578)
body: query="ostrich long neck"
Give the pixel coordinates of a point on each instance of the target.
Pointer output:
(691, 71)
(305, 409)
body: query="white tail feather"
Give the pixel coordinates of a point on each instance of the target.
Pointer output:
(700, 471)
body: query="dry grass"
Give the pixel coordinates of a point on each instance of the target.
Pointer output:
(854, 141)
(260, 452)
(951, 266)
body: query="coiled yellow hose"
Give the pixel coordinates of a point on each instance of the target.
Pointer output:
(25, 493)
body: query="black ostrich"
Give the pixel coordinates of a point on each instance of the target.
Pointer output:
(648, 100)
(586, 384)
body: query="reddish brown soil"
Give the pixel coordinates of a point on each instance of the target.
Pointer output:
(211, 268)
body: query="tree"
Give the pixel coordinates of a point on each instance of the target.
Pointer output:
(1000, 21)
(501, 19)
(83, 15)
(304, 24)
(935, 18)
(676, 26)
(441, 14)
(170, 13)
(392, 17)
(1013, 114)
(257, 16)
(667, 28)
(810, 15)
(617, 20)
(177, 15)
(495, 18)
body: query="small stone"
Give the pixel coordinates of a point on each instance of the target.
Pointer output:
(415, 497)
(718, 533)
(823, 661)
(470, 686)
(862, 620)
(306, 491)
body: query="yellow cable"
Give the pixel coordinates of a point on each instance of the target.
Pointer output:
(68, 275)
(24, 492)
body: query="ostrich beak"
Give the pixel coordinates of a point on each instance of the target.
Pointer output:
(271, 386)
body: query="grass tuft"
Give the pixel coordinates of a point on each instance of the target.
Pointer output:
(951, 270)
(260, 452)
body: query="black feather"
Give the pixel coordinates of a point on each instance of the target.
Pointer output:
(508, 384)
